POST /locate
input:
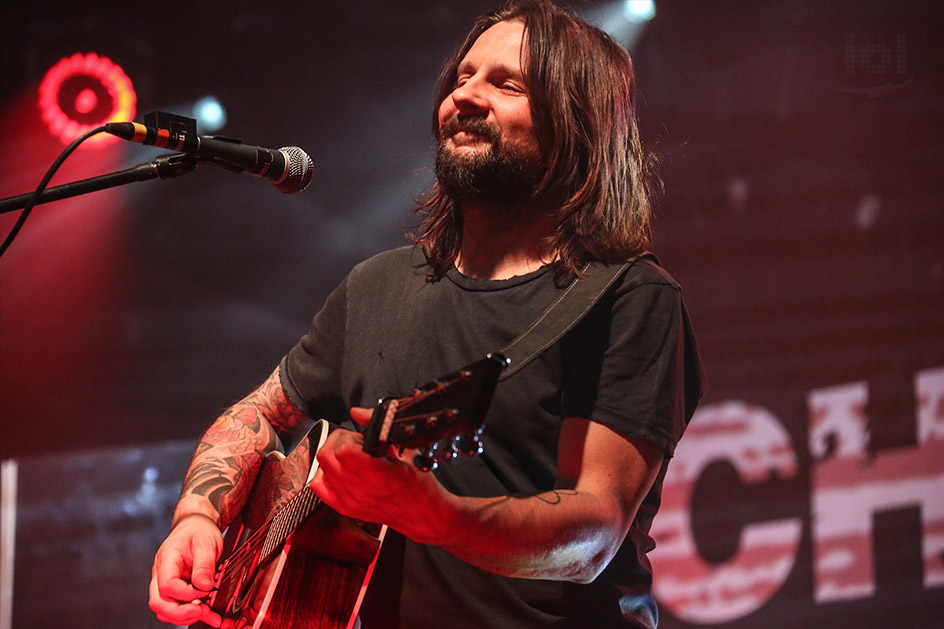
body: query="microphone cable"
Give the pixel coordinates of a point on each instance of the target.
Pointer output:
(42, 186)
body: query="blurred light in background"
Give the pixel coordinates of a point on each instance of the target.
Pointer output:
(82, 92)
(639, 11)
(623, 20)
(209, 114)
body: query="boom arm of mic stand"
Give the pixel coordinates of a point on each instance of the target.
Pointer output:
(165, 167)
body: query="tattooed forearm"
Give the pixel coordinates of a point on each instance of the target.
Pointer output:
(219, 479)
(231, 452)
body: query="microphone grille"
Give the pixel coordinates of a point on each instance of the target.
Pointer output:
(299, 170)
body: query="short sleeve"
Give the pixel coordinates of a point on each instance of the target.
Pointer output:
(310, 372)
(631, 363)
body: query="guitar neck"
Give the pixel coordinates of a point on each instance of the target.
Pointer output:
(286, 520)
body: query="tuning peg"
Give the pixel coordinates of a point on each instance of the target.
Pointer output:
(428, 459)
(448, 451)
(469, 445)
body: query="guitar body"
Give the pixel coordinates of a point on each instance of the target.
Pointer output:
(319, 577)
(293, 562)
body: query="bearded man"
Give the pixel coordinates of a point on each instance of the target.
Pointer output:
(540, 172)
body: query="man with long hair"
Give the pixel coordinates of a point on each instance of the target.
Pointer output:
(539, 171)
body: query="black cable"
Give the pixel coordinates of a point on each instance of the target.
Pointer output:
(42, 185)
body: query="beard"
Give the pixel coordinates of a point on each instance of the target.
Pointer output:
(500, 173)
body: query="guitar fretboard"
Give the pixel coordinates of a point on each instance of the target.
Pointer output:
(284, 523)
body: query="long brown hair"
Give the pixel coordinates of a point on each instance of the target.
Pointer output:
(582, 91)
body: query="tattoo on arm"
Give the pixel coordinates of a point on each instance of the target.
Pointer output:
(275, 406)
(555, 496)
(231, 452)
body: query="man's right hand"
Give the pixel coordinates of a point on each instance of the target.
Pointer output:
(184, 570)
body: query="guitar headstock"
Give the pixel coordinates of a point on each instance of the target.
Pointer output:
(444, 417)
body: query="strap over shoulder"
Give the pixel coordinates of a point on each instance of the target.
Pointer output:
(565, 312)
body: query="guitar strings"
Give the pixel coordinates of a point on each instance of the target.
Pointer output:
(246, 551)
(437, 387)
(260, 535)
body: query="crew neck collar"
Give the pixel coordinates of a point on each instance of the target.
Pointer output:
(473, 283)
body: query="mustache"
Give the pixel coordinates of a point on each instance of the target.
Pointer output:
(470, 124)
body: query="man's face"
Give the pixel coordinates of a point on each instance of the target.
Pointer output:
(488, 150)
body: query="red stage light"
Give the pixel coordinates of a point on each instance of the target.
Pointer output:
(82, 92)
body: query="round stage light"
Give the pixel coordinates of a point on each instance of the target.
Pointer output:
(85, 91)
(639, 11)
(209, 114)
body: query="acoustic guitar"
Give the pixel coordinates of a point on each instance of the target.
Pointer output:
(292, 562)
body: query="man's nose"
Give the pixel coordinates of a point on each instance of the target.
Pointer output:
(470, 97)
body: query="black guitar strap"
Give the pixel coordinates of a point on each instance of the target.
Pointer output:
(574, 302)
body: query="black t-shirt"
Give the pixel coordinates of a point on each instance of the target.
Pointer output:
(630, 364)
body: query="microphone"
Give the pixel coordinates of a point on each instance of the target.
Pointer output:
(290, 169)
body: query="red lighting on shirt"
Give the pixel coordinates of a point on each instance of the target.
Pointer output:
(82, 92)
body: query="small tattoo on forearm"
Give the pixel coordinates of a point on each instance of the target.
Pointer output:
(554, 496)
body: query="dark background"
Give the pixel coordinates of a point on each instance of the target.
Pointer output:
(803, 214)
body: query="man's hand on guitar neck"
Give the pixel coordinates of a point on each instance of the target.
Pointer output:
(568, 533)
(184, 569)
(398, 494)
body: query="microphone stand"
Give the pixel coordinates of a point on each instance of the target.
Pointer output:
(165, 167)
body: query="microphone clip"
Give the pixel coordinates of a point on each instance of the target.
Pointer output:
(177, 133)
(219, 161)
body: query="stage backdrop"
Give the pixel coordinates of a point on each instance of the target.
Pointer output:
(803, 214)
